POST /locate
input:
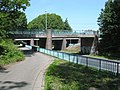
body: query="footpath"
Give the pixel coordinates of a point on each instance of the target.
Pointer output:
(27, 74)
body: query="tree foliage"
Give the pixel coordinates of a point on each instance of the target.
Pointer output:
(53, 21)
(12, 16)
(109, 22)
(67, 26)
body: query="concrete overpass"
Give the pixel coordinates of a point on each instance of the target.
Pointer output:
(60, 40)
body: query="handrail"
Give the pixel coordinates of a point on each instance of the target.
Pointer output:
(84, 32)
(100, 64)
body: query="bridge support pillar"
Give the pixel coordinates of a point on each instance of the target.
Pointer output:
(94, 48)
(49, 39)
(86, 44)
(79, 41)
(37, 41)
(32, 42)
(64, 44)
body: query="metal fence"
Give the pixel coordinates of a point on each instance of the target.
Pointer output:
(100, 64)
(55, 32)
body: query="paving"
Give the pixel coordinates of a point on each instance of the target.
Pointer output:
(27, 74)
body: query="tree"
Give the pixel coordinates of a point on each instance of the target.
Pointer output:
(67, 26)
(109, 22)
(21, 21)
(12, 15)
(53, 21)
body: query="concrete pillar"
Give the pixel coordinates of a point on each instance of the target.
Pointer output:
(37, 41)
(86, 44)
(64, 44)
(32, 42)
(94, 48)
(49, 39)
(79, 41)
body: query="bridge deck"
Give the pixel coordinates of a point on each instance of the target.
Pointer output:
(56, 34)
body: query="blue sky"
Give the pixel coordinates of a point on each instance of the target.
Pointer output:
(81, 14)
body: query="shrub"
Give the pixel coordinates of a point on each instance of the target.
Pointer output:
(10, 52)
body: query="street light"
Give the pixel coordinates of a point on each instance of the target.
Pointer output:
(46, 20)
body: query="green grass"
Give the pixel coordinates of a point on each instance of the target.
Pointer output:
(62, 75)
(97, 56)
(10, 53)
(94, 56)
(104, 57)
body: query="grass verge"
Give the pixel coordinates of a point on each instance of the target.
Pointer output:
(9, 52)
(103, 57)
(62, 75)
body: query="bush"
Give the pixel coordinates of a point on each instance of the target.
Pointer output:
(10, 53)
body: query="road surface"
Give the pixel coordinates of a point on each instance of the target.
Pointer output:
(27, 74)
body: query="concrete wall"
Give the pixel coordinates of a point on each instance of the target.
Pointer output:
(49, 39)
(86, 44)
(62, 43)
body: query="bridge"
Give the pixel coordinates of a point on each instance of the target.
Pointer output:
(45, 40)
(59, 39)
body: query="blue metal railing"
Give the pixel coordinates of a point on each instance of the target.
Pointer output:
(100, 64)
(62, 32)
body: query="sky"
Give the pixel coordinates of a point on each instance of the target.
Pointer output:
(81, 14)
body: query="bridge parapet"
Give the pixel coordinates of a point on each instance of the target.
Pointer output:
(41, 33)
(86, 32)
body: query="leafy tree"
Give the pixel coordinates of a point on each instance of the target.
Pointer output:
(53, 21)
(67, 26)
(12, 15)
(109, 22)
(21, 21)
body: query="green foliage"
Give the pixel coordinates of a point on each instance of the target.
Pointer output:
(109, 22)
(21, 21)
(67, 26)
(62, 75)
(53, 21)
(12, 16)
(13, 5)
(9, 53)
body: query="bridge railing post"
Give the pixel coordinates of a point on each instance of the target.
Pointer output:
(117, 69)
(100, 64)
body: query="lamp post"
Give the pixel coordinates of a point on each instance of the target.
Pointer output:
(46, 20)
(49, 34)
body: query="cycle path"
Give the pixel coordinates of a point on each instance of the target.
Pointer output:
(27, 74)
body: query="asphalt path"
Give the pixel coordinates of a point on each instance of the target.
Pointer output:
(27, 74)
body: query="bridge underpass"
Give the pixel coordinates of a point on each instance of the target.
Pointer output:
(62, 44)
(58, 41)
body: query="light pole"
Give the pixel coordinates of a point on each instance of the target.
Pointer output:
(46, 20)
